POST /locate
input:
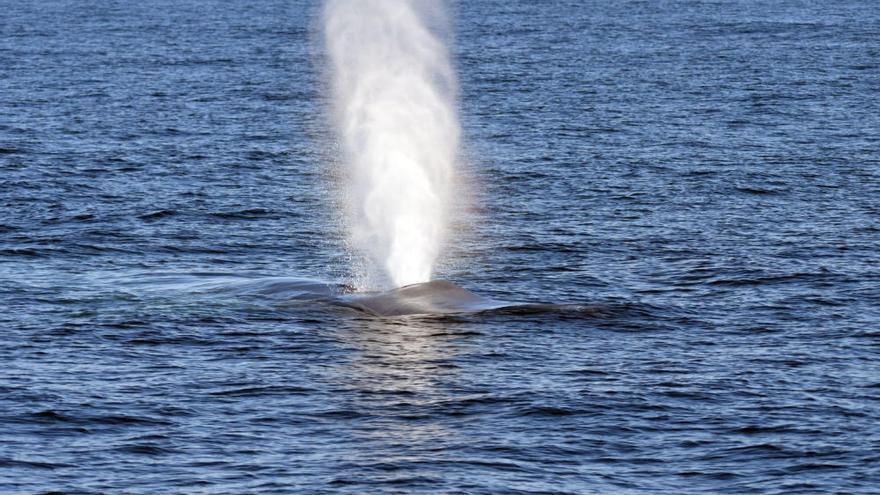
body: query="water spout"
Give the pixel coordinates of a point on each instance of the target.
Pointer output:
(394, 91)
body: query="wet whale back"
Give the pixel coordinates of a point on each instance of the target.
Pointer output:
(434, 297)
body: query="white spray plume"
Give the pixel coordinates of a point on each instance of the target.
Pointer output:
(394, 91)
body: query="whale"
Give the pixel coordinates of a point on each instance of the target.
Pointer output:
(436, 297)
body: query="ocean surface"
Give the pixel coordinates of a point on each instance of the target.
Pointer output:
(692, 188)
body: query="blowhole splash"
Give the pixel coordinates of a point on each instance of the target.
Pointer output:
(394, 91)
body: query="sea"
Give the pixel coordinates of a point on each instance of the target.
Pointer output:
(683, 197)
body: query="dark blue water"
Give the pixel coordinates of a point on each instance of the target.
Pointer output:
(696, 184)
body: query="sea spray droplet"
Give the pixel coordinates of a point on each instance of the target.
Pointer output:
(394, 100)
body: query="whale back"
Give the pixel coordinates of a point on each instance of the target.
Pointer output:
(434, 297)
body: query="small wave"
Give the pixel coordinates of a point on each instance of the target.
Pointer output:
(50, 416)
(156, 215)
(246, 214)
(145, 449)
(547, 411)
(17, 464)
(759, 191)
(760, 430)
(262, 391)
(26, 252)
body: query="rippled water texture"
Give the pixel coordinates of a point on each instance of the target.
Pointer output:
(693, 188)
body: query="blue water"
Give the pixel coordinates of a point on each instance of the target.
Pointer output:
(695, 186)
